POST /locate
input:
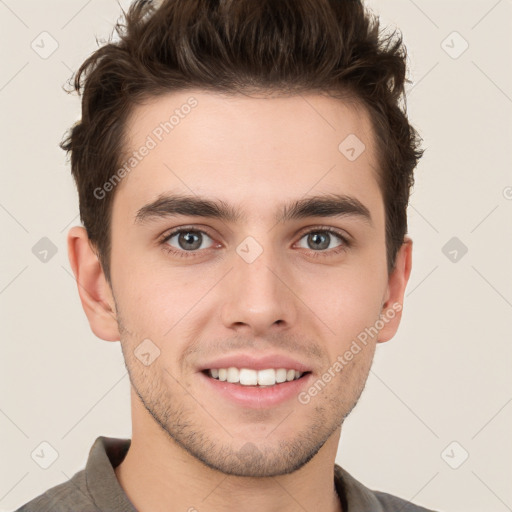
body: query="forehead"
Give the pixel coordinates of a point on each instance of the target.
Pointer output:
(247, 150)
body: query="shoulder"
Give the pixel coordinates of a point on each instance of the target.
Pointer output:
(71, 495)
(358, 498)
(390, 503)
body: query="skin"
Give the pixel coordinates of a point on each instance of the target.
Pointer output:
(190, 446)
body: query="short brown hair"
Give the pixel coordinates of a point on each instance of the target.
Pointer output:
(231, 46)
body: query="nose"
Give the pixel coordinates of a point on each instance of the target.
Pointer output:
(259, 294)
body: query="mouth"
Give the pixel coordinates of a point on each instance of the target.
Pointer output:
(264, 378)
(254, 381)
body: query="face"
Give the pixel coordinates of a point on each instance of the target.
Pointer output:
(266, 280)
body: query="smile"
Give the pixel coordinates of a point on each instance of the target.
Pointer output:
(250, 377)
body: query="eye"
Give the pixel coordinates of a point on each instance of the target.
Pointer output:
(185, 240)
(319, 240)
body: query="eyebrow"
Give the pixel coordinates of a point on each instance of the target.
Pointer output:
(330, 205)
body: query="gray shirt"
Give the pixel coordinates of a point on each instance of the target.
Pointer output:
(96, 489)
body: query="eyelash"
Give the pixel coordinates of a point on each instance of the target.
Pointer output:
(316, 254)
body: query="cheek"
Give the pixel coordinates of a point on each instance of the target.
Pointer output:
(160, 302)
(347, 303)
(142, 297)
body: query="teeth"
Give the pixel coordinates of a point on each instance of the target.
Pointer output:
(281, 375)
(233, 375)
(248, 377)
(266, 377)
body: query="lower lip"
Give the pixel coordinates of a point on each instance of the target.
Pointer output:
(256, 397)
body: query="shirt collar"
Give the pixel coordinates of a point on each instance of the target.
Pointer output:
(354, 496)
(107, 453)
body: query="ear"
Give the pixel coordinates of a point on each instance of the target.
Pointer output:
(93, 288)
(394, 297)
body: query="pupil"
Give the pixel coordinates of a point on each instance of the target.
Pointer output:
(317, 237)
(188, 237)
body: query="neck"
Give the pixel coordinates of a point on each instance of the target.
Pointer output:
(158, 475)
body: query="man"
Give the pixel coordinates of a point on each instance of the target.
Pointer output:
(243, 171)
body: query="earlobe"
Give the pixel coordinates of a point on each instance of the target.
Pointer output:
(397, 282)
(93, 288)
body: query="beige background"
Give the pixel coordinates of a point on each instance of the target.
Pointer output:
(445, 377)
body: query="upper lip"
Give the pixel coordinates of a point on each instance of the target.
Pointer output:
(254, 362)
